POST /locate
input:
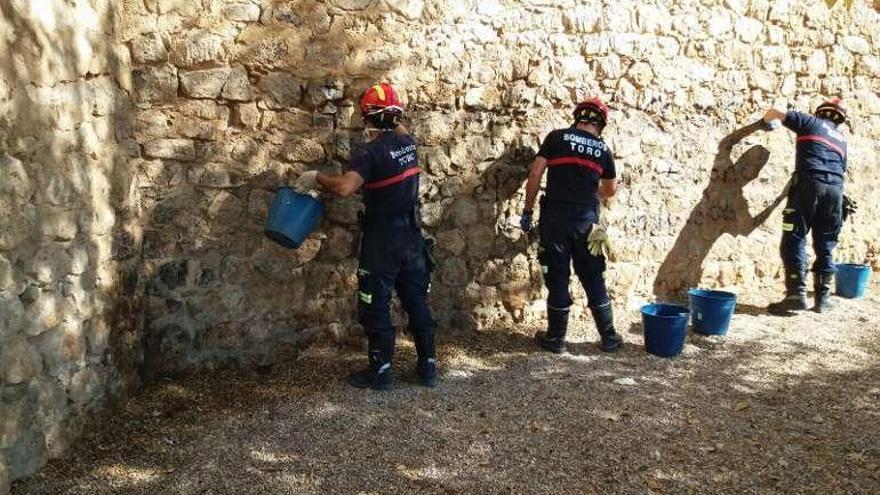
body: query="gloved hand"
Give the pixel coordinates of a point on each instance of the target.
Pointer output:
(598, 242)
(772, 125)
(306, 182)
(849, 207)
(525, 222)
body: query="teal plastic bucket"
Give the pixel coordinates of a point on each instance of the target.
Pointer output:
(665, 326)
(292, 217)
(711, 310)
(851, 280)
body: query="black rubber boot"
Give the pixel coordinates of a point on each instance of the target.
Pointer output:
(822, 287)
(378, 374)
(426, 365)
(795, 293)
(604, 317)
(553, 339)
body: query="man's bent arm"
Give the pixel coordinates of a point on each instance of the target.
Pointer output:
(534, 182)
(341, 185)
(773, 114)
(607, 188)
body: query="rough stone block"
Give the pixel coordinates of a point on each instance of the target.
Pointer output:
(14, 180)
(14, 229)
(155, 84)
(54, 415)
(58, 224)
(246, 115)
(857, 44)
(42, 314)
(748, 29)
(11, 315)
(198, 48)
(19, 361)
(171, 149)
(238, 85)
(7, 275)
(304, 150)
(86, 386)
(203, 83)
(452, 241)
(63, 348)
(340, 243)
(148, 49)
(280, 90)
(187, 127)
(817, 63)
(244, 12)
(21, 438)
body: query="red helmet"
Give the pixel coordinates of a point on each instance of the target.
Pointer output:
(832, 110)
(381, 98)
(592, 110)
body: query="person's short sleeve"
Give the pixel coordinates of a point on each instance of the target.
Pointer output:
(797, 121)
(608, 169)
(362, 163)
(547, 146)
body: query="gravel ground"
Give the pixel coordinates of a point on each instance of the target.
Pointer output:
(780, 405)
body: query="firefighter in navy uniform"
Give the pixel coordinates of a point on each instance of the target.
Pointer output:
(580, 173)
(815, 202)
(394, 254)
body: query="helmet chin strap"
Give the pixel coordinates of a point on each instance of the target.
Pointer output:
(373, 132)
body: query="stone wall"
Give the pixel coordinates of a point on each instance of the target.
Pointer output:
(69, 322)
(235, 97)
(141, 141)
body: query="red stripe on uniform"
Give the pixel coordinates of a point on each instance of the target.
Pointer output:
(393, 179)
(581, 162)
(824, 141)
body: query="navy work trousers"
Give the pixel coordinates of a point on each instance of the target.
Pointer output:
(814, 204)
(394, 260)
(563, 230)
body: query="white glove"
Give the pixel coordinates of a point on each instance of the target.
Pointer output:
(306, 182)
(598, 242)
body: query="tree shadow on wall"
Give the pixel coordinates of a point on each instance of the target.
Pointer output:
(484, 284)
(63, 122)
(723, 209)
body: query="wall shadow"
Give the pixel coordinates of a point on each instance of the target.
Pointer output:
(723, 209)
(493, 284)
(498, 419)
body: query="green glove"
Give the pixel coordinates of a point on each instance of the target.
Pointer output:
(598, 242)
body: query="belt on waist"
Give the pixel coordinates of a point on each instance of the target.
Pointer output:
(407, 220)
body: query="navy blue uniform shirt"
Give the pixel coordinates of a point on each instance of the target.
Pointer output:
(576, 160)
(820, 146)
(390, 167)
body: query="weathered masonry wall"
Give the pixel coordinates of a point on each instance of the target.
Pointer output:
(69, 323)
(233, 97)
(140, 141)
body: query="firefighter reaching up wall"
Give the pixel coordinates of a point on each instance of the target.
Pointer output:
(815, 203)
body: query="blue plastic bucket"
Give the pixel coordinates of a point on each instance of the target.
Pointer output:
(665, 326)
(851, 280)
(711, 310)
(292, 217)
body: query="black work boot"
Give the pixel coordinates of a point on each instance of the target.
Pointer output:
(604, 317)
(822, 287)
(378, 374)
(553, 339)
(426, 365)
(795, 293)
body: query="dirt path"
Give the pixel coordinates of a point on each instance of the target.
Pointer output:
(781, 405)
